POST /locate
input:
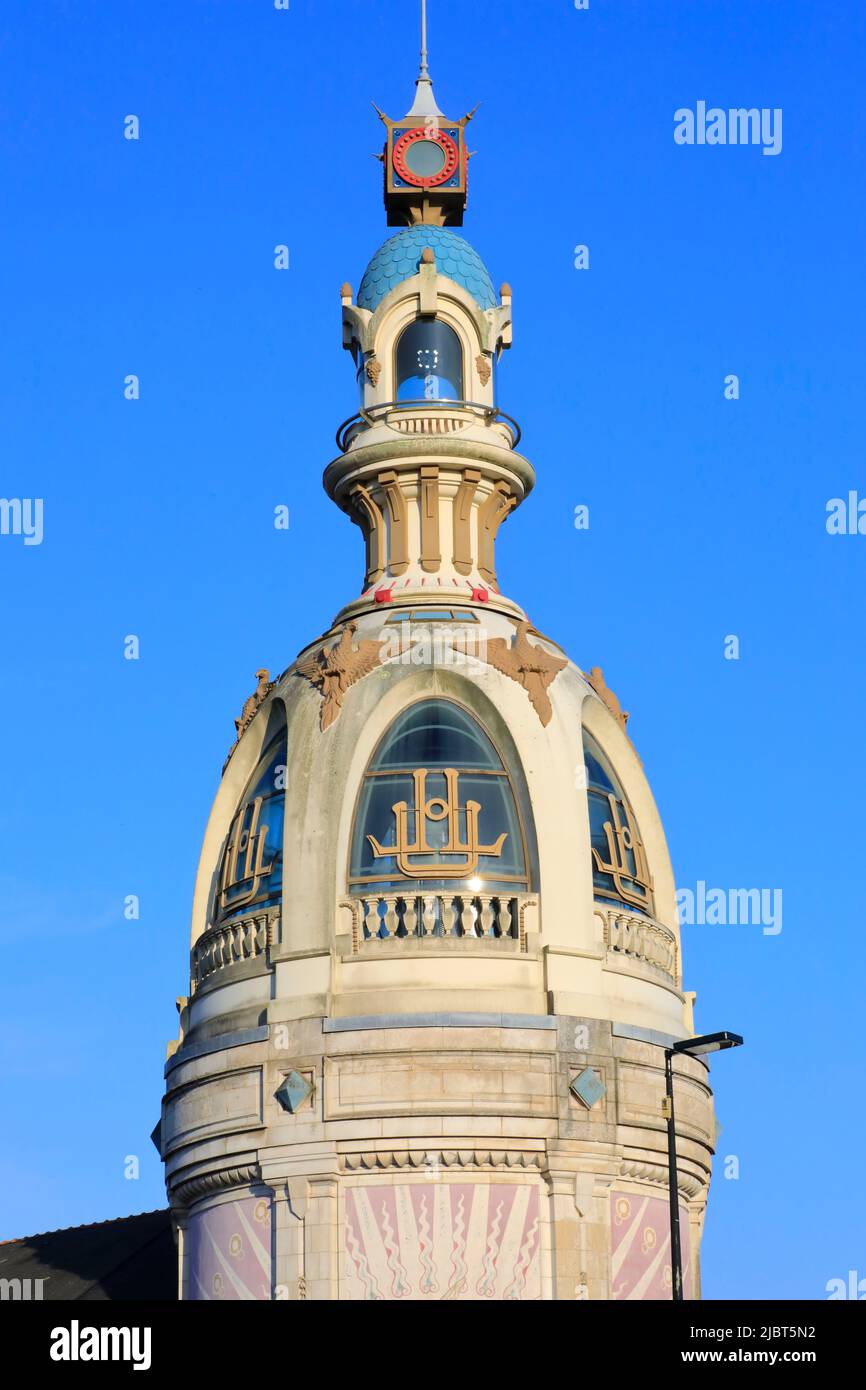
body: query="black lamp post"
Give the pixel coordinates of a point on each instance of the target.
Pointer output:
(692, 1047)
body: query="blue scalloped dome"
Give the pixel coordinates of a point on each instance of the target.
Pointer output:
(398, 260)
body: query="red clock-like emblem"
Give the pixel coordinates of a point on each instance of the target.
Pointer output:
(425, 158)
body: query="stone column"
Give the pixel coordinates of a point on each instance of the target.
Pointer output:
(289, 1208)
(322, 1237)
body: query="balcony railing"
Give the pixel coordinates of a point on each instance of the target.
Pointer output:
(440, 917)
(240, 939)
(427, 417)
(630, 934)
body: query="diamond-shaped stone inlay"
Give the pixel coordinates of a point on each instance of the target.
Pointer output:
(588, 1088)
(293, 1092)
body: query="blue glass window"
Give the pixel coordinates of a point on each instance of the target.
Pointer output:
(251, 871)
(437, 809)
(620, 871)
(429, 362)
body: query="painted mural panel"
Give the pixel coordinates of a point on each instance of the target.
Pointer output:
(441, 1241)
(641, 1247)
(229, 1250)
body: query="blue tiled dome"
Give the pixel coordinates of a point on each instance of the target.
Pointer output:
(399, 258)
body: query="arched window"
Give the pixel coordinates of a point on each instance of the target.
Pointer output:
(429, 362)
(620, 871)
(436, 809)
(251, 869)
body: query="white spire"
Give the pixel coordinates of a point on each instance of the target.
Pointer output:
(425, 102)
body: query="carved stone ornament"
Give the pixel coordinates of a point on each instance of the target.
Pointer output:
(484, 369)
(532, 667)
(333, 670)
(187, 1192)
(595, 677)
(426, 1161)
(373, 370)
(252, 705)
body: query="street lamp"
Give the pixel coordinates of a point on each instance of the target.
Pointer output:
(691, 1047)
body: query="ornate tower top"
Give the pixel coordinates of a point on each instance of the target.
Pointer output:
(425, 157)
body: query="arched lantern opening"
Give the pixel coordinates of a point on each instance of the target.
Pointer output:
(429, 362)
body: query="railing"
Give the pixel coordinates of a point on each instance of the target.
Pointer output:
(241, 938)
(440, 916)
(423, 416)
(630, 934)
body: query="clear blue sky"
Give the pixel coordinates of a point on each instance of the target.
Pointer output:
(707, 515)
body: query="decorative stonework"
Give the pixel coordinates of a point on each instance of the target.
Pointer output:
(251, 707)
(633, 934)
(595, 678)
(657, 1174)
(484, 369)
(334, 670)
(240, 939)
(427, 1160)
(373, 370)
(254, 702)
(531, 666)
(188, 1192)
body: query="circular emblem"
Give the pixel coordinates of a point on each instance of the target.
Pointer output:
(425, 157)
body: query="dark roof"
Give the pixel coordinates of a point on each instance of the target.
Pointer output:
(132, 1258)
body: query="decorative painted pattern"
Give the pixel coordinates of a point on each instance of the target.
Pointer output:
(640, 1242)
(230, 1251)
(442, 1241)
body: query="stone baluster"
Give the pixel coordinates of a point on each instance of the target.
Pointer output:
(449, 916)
(467, 917)
(371, 917)
(487, 916)
(392, 920)
(505, 918)
(429, 916)
(410, 917)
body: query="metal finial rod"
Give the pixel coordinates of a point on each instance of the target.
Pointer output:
(424, 68)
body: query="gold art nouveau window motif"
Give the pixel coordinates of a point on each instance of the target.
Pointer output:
(620, 871)
(436, 809)
(251, 869)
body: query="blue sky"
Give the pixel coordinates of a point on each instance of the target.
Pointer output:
(707, 516)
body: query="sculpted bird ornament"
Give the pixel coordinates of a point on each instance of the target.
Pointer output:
(254, 701)
(532, 667)
(252, 705)
(595, 678)
(333, 670)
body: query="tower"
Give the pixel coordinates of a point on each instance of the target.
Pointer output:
(435, 959)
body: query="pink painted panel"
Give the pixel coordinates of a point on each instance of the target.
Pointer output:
(440, 1241)
(641, 1247)
(229, 1249)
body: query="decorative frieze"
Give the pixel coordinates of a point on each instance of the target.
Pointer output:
(190, 1190)
(428, 1161)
